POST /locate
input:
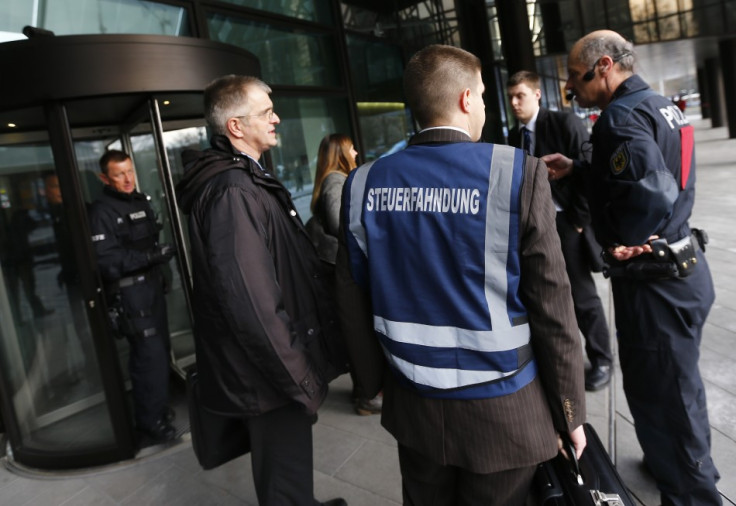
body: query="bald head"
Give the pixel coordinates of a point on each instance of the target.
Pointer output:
(598, 63)
(600, 43)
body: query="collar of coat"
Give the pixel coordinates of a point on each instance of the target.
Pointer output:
(128, 197)
(439, 135)
(201, 166)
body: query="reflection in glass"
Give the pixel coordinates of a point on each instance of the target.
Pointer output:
(46, 347)
(177, 141)
(304, 122)
(287, 56)
(310, 10)
(111, 16)
(377, 69)
(149, 182)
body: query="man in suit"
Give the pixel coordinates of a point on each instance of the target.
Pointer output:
(451, 280)
(540, 132)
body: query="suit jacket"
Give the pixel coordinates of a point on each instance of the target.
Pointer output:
(563, 132)
(500, 433)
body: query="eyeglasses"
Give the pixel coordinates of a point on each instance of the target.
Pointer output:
(269, 114)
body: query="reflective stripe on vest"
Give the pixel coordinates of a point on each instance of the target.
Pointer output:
(485, 352)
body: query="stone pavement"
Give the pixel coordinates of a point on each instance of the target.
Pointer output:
(356, 458)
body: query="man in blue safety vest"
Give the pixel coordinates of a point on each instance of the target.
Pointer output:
(451, 279)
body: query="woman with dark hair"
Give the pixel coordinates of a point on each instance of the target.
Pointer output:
(335, 160)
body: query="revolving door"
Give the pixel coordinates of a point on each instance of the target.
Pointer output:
(63, 375)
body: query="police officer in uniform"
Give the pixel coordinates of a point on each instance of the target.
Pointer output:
(125, 236)
(641, 185)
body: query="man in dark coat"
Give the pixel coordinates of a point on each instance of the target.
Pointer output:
(540, 132)
(262, 309)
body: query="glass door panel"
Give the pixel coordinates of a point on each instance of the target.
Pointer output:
(47, 354)
(143, 152)
(139, 142)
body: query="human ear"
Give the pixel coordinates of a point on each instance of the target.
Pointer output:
(606, 63)
(465, 100)
(234, 127)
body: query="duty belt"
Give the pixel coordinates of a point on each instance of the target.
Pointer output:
(666, 260)
(130, 281)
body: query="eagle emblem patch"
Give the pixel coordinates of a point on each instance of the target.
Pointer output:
(620, 159)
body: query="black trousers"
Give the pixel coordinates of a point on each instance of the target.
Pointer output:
(149, 358)
(426, 483)
(281, 454)
(660, 324)
(589, 312)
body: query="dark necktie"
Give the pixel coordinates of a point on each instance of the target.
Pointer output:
(527, 139)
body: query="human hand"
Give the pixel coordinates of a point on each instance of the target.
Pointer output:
(161, 253)
(558, 165)
(622, 253)
(579, 441)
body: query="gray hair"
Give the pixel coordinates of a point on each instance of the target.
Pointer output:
(226, 97)
(619, 49)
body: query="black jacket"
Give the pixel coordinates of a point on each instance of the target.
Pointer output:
(561, 132)
(124, 230)
(262, 308)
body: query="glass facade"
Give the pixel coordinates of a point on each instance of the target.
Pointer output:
(288, 56)
(555, 26)
(64, 17)
(304, 122)
(376, 69)
(310, 10)
(49, 366)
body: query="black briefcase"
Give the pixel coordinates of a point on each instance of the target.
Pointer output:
(216, 438)
(590, 481)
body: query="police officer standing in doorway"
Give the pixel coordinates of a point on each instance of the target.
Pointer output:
(125, 236)
(641, 184)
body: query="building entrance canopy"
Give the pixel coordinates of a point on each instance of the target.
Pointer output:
(64, 101)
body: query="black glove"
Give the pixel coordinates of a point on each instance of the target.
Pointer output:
(161, 253)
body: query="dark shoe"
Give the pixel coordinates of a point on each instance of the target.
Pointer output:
(161, 432)
(365, 407)
(335, 502)
(597, 377)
